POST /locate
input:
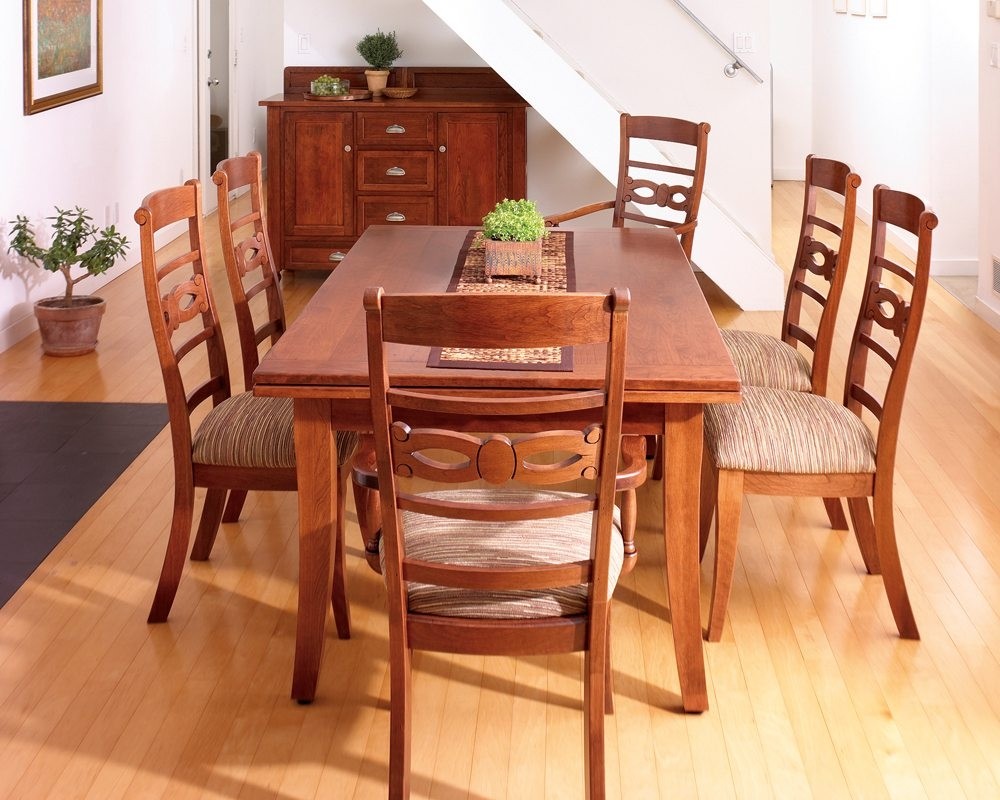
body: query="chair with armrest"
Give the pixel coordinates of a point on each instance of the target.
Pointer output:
(254, 283)
(221, 441)
(781, 442)
(683, 199)
(517, 567)
(818, 276)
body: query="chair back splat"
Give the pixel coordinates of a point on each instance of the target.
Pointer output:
(504, 563)
(682, 195)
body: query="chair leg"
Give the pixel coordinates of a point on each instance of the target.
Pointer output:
(234, 505)
(657, 472)
(864, 532)
(706, 509)
(888, 554)
(727, 530)
(366, 503)
(338, 594)
(208, 526)
(835, 511)
(628, 506)
(173, 559)
(609, 678)
(400, 720)
(595, 668)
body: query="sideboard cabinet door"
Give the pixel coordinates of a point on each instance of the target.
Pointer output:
(474, 165)
(318, 172)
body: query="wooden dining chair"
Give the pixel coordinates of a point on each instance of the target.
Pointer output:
(221, 441)
(514, 567)
(818, 276)
(636, 186)
(254, 284)
(780, 442)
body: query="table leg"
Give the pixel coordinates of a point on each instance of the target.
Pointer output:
(682, 454)
(316, 462)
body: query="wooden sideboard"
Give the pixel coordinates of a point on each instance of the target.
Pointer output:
(443, 157)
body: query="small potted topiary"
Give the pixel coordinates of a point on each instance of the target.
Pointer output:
(69, 324)
(513, 233)
(380, 50)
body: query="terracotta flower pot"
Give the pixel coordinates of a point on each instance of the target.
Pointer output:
(69, 328)
(513, 258)
(377, 79)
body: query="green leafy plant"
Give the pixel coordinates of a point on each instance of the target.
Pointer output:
(514, 221)
(71, 231)
(379, 49)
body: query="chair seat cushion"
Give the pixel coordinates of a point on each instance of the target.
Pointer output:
(763, 360)
(511, 544)
(787, 432)
(249, 431)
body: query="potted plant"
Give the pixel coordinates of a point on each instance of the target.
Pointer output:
(69, 324)
(380, 50)
(513, 233)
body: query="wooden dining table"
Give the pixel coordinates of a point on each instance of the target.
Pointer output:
(676, 363)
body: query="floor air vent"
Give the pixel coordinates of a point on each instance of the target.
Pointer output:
(996, 275)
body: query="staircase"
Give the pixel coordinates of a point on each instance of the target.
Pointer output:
(588, 118)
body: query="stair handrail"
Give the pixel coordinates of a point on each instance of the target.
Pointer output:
(738, 63)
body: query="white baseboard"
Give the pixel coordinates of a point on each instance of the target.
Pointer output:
(989, 312)
(956, 266)
(23, 327)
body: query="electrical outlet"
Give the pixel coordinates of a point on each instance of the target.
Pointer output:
(107, 216)
(116, 212)
(995, 55)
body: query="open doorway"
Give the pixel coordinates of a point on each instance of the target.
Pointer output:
(216, 89)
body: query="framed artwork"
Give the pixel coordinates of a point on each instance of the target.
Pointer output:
(880, 8)
(62, 52)
(859, 7)
(840, 6)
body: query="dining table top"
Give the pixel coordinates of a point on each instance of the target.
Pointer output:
(675, 352)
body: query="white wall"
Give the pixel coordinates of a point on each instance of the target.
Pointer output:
(259, 53)
(896, 98)
(987, 301)
(107, 152)
(685, 80)
(791, 60)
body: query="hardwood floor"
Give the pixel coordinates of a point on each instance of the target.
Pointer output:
(811, 691)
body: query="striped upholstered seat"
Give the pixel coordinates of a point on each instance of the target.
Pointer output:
(763, 360)
(788, 432)
(511, 544)
(249, 431)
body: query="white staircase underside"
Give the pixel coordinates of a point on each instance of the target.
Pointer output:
(590, 122)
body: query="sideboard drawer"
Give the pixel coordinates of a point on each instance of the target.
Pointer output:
(316, 256)
(395, 171)
(394, 128)
(399, 210)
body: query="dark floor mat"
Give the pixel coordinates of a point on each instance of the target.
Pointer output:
(56, 460)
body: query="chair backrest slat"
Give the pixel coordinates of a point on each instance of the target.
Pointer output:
(890, 311)
(827, 261)
(248, 255)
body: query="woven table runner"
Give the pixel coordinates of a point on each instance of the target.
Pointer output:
(470, 276)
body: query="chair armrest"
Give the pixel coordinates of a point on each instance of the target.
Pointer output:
(553, 220)
(632, 472)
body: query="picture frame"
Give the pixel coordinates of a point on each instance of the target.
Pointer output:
(840, 6)
(859, 8)
(63, 59)
(879, 8)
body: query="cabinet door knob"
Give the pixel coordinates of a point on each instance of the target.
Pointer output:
(347, 148)
(336, 255)
(442, 149)
(395, 171)
(395, 129)
(395, 216)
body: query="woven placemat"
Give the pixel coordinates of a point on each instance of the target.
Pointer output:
(558, 276)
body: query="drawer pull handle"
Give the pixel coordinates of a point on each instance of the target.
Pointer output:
(395, 129)
(395, 171)
(395, 216)
(336, 255)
